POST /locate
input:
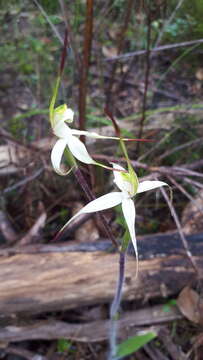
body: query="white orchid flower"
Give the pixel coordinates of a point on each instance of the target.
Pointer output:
(68, 137)
(59, 118)
(129, 186)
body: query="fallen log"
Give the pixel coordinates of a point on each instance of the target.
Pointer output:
(43, 278)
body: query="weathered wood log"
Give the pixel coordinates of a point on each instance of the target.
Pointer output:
(50, 277)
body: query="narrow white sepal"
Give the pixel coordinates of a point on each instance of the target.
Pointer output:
(149, 185)
(56, 157)
(92, 134)
(79, 150)
(104, 202)
(128, 208)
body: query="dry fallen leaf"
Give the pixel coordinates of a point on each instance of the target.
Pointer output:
(109, 52)
(191, 305)
(192, 220)
(88, 231)
(199, 74)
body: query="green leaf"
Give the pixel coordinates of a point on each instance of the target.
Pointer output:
(134, 343)
(167, 307)
(63, 345)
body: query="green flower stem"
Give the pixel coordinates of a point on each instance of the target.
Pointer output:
(53, 100)
(70, 158)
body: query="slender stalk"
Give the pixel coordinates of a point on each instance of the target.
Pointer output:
(109, 95)
(115, 307)
(168, 22)
(85, 64)
(65, 11)
(147, 72)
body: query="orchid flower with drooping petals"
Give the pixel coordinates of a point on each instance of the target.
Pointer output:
(129, 186)
(68, 137)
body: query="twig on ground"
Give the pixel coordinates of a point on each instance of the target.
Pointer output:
(7, 229)
(174, 350)
(180, 147)
(159, 48)
(178, 225)
(186, 193)
(24, 181)
(34, 233)
(195, 164)
(193, 182)
(53, 27)
(180, 170)
(27, 354)
(129, 323)
(154, 353)
(157, 144)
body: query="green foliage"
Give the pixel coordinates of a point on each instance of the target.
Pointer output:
(50, 6)
(134, 343)
(63, 215)
(167, 307)
(16, 127)
(195, 10)
(119, 4)
(63, 345)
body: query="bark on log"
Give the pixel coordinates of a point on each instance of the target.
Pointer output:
(53, 278)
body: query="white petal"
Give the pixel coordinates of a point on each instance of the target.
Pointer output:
(62, 130)
(121, 182)
(92, 134)
(128, 208)
(102, 203)
(79, 150)
(149, 185)
(56, 156)
(118, 179)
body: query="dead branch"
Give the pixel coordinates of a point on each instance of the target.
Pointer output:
(7, 229)
(156, 49)
(128, 324)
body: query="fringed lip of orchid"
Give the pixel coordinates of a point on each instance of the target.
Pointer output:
(123, 197)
